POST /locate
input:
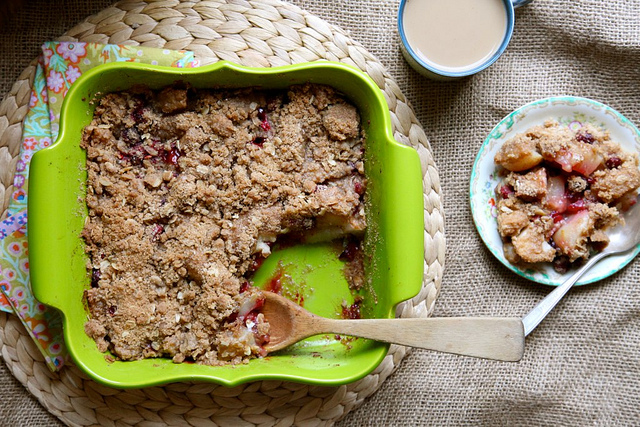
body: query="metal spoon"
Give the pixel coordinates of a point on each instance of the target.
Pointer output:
(622, 238)
(485, 337)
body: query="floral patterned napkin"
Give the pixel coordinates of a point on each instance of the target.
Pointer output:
(60, 64)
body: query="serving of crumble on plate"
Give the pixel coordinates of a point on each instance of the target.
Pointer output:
(503, 175)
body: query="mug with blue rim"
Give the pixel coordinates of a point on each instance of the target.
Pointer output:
(431, 70)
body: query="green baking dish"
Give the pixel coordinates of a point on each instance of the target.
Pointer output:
(394, 238)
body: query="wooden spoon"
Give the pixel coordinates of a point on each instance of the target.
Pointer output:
(487, 337)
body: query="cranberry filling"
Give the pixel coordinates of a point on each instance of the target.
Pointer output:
(158, 229)
(244, 286)
(264, 120)
(557, 217)
(250, 320)
(577, 206)
(262, 114)
(137, 114)
(257, 263)
(352, 311)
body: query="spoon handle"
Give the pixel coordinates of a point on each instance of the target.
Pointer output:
(485, 337)
(544, 307)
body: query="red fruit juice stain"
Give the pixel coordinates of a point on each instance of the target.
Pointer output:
(274, 284)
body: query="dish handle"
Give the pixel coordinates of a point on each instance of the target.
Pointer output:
(49, 202)
(404, 217)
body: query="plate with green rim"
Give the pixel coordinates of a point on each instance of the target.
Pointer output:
(393, 240)
(569, 111)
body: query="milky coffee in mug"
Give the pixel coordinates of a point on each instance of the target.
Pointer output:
(454, 38)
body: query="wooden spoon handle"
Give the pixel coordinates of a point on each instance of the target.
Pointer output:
(486, 337)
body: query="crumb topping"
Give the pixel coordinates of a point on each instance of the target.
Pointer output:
(186, 187)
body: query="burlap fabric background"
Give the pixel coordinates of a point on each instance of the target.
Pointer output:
(582, 365)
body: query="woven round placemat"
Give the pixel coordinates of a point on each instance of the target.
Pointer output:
(261, 33)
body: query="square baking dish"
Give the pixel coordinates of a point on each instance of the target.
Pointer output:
(393, 240)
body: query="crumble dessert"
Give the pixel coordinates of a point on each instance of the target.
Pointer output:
(561, 189)
(187, 190)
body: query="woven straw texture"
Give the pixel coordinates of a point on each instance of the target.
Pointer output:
(262, 34)
(581, 365)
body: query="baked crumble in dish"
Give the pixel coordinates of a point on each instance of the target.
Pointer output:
(188, 189)
(561, 189)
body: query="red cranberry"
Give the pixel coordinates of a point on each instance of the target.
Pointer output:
(158, 229)
(505, 191)
(557, 217)
(585, 137)
(359, 188)
(613, 162)
(352, 311)
(262, 114)
(231, 318)
(256, 264)
(244, 286)
(264, 120)
(577, 206)
(95, 277)
(350, 251)
(138, 113)
(171, 156)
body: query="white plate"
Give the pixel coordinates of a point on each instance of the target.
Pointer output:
(569, 111)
